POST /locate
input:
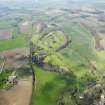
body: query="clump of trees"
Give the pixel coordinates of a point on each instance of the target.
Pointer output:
(3, 78)
(91, 96)
(83, 91)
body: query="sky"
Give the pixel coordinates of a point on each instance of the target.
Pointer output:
(49, 0)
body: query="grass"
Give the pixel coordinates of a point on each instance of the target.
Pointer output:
(50, 42)
(4, 24)
(3, 78)
(76, 57)
(81, 51)
(18, 42)
(44, 88)
(82, 45)
(49, 86)
(23, 72)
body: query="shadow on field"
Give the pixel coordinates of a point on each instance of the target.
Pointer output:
(59, 85)
(23, 72)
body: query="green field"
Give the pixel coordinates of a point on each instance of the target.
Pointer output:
(49, 42)
(77, 57)
(49, 86)
(4, 24)
(17, 42)
(81, 51)
(85, 63)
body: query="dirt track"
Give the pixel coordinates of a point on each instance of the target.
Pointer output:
(17, 95)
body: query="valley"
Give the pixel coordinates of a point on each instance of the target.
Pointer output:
(57, 50)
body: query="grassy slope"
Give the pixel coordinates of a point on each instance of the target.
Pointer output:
(49, 86)
(44, 94)
(82, 46)
(81, 51)
(76, 57)
(53, 40)
(77, 53)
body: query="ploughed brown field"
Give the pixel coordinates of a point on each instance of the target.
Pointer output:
(19, 94)
(16, 58)
(24, 28)
(6, 33)
(102, 40)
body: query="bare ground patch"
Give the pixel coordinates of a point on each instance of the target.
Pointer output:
(16, 58)
(102, 40)
(19, 94)
(6, 33)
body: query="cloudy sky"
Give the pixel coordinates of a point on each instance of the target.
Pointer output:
(49, 0)
(52, 0)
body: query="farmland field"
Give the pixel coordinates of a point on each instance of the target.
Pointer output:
(61, 44)
(49, 86)
(12, 43)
